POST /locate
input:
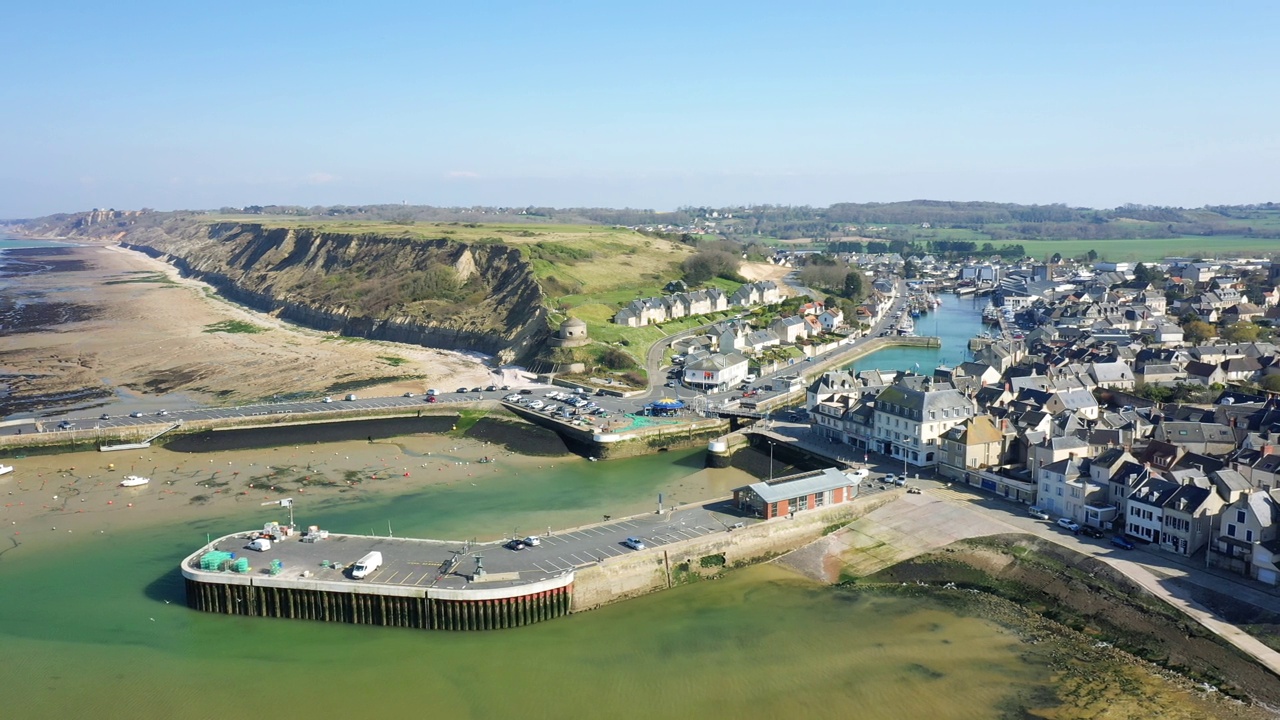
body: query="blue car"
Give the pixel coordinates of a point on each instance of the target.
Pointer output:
(1122, 542)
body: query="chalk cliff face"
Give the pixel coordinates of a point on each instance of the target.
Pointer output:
(436, 293)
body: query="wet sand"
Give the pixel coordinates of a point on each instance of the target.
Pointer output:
(103, 327)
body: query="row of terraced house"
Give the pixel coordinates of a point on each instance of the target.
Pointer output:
(655, 310)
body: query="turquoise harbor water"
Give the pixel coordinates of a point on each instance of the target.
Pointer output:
(958, 320)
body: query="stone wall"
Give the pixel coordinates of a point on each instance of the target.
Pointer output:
(640, 573)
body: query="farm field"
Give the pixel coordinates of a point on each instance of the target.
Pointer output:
(567, 259)
(1149, 249)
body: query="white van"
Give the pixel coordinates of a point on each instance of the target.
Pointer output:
(859, 474)
(260, 544)
(366, 565)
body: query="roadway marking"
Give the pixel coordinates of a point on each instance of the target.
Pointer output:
(952, 494)
(391, 578)
(580, 560)
(611, 552)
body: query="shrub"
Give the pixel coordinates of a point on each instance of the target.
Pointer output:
(712, 561)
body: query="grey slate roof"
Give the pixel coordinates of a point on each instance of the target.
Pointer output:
(828, 479)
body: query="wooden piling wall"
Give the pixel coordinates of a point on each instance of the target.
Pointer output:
(370, 608)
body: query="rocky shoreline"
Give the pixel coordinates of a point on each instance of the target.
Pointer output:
(1110, 642)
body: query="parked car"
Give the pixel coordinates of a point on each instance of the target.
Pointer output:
(1091, 531)
(532, 541)
(1122, 542)
(104, 416)
(888, 479)
(431, 398)
(1069, 524)
(634, 543)
(526, 391)
(408, 394)
(491, 388)
(515, 545)
(461, 390)
(135, 414)
(1036, 512)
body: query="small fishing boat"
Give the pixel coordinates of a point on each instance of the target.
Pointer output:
(134, 481)
(485, 459)
(6, 469)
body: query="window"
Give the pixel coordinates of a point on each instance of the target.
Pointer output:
(1231, 530)
(773, 509)
(1059, 491)
(1248, 536)
(1240, 516)
(820, 499)
(800, 503)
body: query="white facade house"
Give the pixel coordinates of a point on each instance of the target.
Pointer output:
(831, 318)
(908, 422)
(718, 371)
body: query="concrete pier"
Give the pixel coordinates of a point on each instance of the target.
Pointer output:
(417, 586)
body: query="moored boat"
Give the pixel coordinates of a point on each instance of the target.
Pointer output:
(6, 469)
(134, 481)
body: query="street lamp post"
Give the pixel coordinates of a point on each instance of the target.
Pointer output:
(770, 461)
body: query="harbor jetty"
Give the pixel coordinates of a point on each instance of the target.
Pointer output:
(418, 584)
(512, 582)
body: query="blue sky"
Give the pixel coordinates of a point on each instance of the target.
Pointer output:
(655, 104)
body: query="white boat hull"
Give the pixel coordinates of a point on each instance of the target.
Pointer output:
(134, 481)
(6, 469)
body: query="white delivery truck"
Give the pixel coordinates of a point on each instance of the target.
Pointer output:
(259, 544)
(366, 565)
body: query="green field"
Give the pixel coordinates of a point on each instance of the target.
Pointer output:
(567, 259)
(1154, 248)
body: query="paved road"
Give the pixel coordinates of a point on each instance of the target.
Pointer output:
(658, 372)
(943, 514)
(282, 409)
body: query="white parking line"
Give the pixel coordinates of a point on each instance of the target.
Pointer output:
(580, 560)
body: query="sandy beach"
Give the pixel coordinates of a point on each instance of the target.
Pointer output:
(123, 331)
